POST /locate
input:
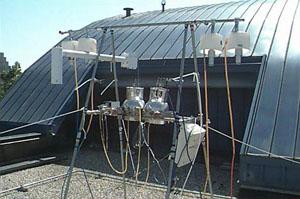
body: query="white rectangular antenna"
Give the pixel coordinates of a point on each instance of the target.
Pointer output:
(57, 65)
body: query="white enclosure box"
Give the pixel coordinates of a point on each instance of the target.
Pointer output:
(211, 41)
(130, 61)
(88, 45)
(190, 137)
(69, 45)
(238, 40)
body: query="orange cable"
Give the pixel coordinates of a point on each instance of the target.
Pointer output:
(231, 120)
(106, 153)
(78, 97)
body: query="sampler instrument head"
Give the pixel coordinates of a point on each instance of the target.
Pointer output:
(156, 106)
(134, 103)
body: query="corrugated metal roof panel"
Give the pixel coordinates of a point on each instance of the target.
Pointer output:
(175, 32)
(265, 120)
(175, 50)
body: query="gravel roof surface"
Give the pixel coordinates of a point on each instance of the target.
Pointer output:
(104, 183)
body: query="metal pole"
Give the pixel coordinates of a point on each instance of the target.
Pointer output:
(118, 99)
(79, 133)
(173, 23)
(172, 167)
(192, 26)
(196, 21)
(36, 183)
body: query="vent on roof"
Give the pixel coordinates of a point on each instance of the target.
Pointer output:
(163, 3)
(128, 11)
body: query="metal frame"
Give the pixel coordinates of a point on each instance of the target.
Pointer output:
(172, 167)
(195, 22)
(91, 55)
(186, 24)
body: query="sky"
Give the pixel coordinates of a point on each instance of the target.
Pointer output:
(29, 28)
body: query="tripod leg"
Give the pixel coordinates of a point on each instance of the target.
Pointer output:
(172, 165)
(119, 118)
(82, 122)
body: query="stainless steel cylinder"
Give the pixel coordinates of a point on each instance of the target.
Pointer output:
(156, 106)
(134, 101)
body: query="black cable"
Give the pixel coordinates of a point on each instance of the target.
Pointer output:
(178, 127)
(153, 155)
(163, 158)
(178, 124)
(183, 121)
(88, 184)
(175, 117)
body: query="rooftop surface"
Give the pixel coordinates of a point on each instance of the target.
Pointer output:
(104, 183)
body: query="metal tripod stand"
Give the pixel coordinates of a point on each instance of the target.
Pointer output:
(82, 122)
(172, 167)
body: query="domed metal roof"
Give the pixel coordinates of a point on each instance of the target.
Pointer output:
(274, 26)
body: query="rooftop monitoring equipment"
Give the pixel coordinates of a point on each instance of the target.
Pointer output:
(69, 49)
(238, 42)
(156, 105)
(134, 101)
(211, 44)
(190, 137)
(84, 48)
